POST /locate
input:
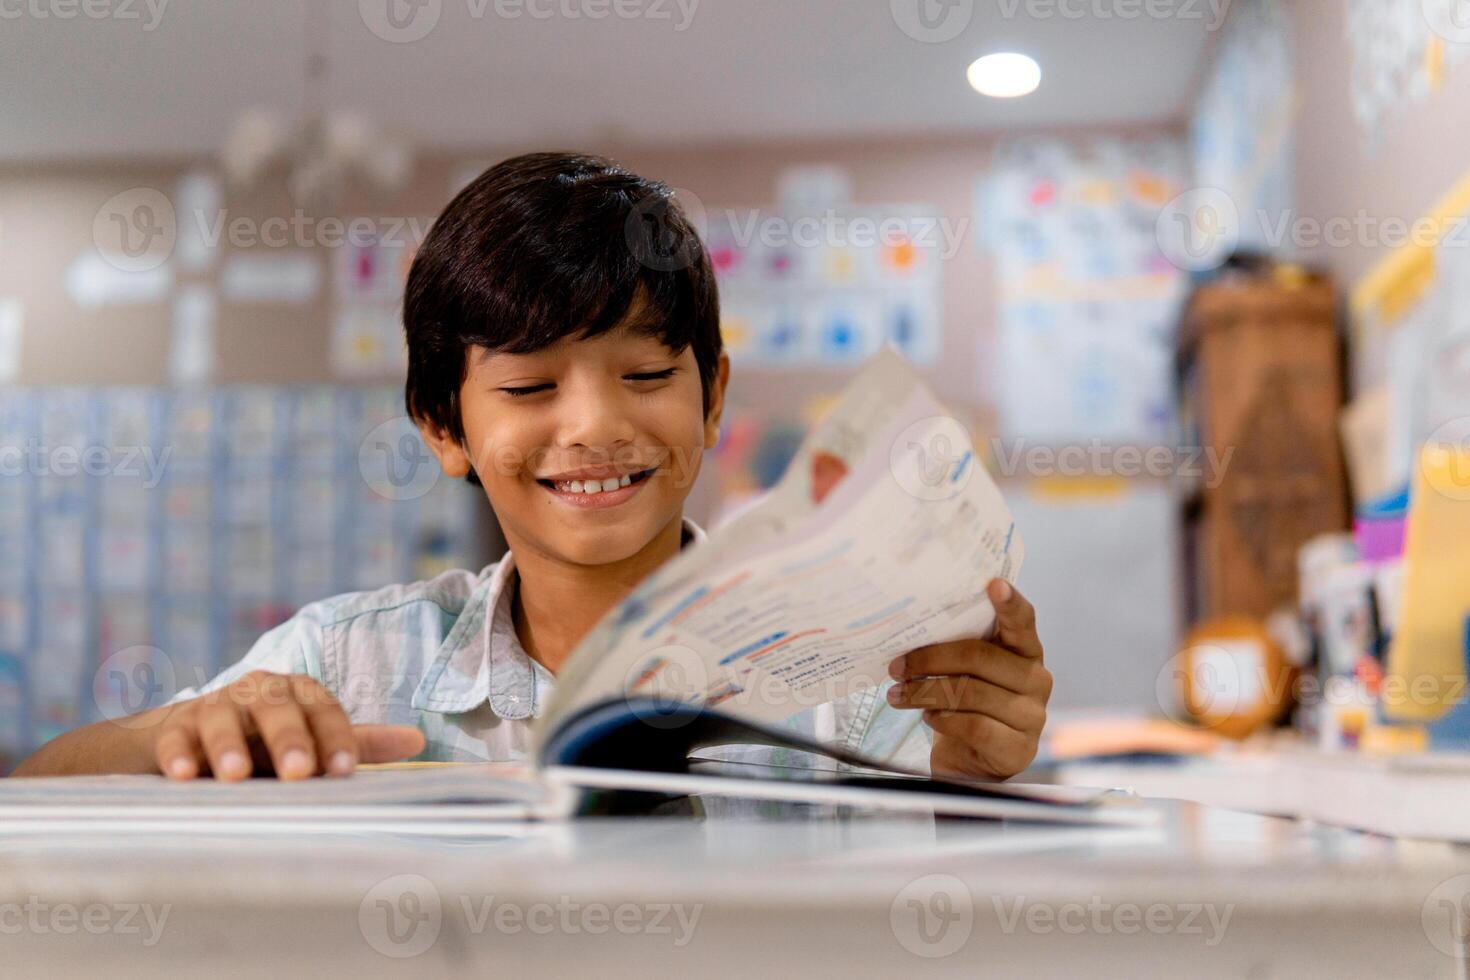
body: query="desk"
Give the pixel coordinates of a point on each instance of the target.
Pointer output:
(765, 892)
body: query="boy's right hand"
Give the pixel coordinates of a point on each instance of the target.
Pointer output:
(264, 723)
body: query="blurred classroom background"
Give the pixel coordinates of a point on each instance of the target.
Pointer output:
(1178, 293)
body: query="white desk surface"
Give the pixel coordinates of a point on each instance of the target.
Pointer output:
(779, 891)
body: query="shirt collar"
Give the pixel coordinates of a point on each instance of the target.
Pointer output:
(475, 664)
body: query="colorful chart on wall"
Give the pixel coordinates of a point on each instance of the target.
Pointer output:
(152, 535)
(1401, 51)
(828, 288)
(1087, 299)
(1241, 131)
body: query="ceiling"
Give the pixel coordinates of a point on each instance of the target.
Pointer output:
(488, 73)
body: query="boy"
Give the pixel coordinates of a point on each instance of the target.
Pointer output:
(564, 353)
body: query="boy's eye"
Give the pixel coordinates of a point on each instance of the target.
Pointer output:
(527, 390)
(651, 375)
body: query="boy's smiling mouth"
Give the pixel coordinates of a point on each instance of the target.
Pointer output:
(596, 486)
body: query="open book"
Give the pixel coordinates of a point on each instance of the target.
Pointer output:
(794, 604)
(798, 603)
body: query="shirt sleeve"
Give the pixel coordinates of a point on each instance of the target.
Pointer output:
(867, 724)
(294, 647)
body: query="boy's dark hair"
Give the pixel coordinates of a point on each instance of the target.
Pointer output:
(545, 246)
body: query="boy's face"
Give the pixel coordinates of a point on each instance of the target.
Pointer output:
(619, 409)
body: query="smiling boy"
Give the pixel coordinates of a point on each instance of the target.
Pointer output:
(558, 358)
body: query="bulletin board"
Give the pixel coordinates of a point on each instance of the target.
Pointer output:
(162, 530)
(828, 288)
(1401, 50)
(1088, 302)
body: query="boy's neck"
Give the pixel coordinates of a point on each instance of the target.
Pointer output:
(556, 604)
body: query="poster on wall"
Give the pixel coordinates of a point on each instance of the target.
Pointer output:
(830, 287)
(1401, 53)
(1241, 131)
(1087, 300)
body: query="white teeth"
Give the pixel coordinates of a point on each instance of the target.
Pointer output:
(594, 486)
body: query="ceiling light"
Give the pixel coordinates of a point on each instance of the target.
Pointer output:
(1005, 75)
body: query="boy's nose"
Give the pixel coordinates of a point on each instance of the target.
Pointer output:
(594, 421)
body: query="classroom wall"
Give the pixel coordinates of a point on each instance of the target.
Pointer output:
(47, 214)
(1398, 168)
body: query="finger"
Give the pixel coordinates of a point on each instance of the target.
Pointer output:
(975, 658)
(177, 750)
(1015, 619)
(990, 737)
(222, 735)
(329, 726)
(1026, 714)
(387, 743)
(281, 724)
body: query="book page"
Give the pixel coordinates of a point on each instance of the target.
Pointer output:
(798, 603)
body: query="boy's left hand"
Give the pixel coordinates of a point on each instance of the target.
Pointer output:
(985, 700)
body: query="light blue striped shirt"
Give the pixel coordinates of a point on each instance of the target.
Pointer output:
(421, 655)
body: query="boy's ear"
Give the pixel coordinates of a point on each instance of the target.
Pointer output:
(716, 402)
(449, 451)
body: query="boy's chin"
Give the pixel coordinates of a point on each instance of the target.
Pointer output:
(602, 545)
